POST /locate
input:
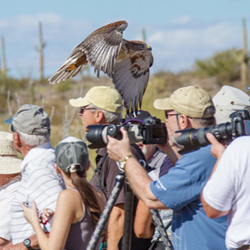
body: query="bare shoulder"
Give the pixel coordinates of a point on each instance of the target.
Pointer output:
(68, 196)
(99, 196)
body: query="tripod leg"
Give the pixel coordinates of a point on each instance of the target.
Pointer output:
(106, 212)
(158, 223)
(128, 223)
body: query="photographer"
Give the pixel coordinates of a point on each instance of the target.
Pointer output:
(158, 165)
(102, 106)
(180, 189)
(227, 191)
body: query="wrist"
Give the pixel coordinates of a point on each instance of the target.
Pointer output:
(27, 244)
(123, 162)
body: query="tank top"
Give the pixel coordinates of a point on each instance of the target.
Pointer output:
(80, 233)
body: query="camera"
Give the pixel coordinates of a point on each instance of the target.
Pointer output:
(150, 131)
(193, 139)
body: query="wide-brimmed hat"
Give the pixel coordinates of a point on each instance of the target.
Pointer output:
(9, 163)
(229, 100)
(191, 101)
(103, 97)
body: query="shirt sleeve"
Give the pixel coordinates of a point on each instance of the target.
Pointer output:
(219, 191)
(184, 182)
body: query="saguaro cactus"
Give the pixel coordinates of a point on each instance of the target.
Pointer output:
(4, 69)
(40, 50)
(245, 58)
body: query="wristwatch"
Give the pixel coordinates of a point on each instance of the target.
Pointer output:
(124, 161)
(26, 243)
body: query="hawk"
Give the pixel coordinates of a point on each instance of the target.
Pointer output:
(126, 62)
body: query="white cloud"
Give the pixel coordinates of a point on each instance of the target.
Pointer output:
(180, 47)
(181, 20)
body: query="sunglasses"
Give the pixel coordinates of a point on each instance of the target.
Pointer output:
(82, 109)
(12, 128)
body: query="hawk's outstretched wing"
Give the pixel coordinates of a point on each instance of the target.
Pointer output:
(126, 62)
(131, 78)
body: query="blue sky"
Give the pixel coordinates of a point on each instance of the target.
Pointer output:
(179, 31)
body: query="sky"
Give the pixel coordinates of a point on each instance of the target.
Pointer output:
(179, 31)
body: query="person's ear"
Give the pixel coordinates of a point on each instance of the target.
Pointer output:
(17, 140)
(58, 170)
(88, 166)
(183, 122)
(99, 116)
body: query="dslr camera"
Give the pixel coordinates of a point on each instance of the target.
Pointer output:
(193, 139)
(150, 131)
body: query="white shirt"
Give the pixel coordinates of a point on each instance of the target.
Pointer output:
(39, 183)
(7, 193)
(229, 189)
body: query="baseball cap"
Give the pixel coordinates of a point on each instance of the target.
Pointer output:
(30, 119)
(70, 153)
(229, 100)
(9, 163)
(191, 101)
(103, 97)
(132, 117)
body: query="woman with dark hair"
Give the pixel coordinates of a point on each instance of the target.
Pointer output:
(78, 207)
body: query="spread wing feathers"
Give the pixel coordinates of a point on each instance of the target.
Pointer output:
(102, 47)
(131, 78)
(100, 50)
(63, 73)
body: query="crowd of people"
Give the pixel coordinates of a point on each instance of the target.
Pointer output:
(47, 203)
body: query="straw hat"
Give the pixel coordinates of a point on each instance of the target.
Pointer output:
(9, 163)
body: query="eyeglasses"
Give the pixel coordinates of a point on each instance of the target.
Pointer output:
(167, 115)
(82, 109)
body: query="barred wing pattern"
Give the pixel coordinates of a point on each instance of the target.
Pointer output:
(126, 62)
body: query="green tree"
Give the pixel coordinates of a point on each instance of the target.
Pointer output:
(225, 65)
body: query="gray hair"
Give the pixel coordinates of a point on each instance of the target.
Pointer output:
(202, 122)
(33, 140)
(109, 117)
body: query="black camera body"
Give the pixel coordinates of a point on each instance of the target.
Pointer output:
(150, 131)
(193, 139)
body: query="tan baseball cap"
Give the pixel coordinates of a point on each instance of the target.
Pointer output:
(103, 97)
(191, 101)
(229, 100)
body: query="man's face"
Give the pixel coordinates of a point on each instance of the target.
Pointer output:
(88, 117)
(172, 125)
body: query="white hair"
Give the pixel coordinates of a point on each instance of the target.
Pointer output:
(33, 140)
(109, 117)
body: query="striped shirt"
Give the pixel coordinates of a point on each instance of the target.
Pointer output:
(39, 183)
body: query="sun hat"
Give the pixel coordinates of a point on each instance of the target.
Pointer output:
(191, 101)
(31, 120)
(229, 100)
(103, 97)
(70, 153)
(132, 117)
(9, 163)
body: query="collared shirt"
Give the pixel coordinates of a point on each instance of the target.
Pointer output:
(39, 183)
(180, 190)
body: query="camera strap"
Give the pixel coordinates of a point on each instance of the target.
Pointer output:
(100, 159)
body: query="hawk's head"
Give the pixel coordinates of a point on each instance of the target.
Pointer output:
(138, 45)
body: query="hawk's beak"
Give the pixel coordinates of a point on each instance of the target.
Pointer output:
(148, 47)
